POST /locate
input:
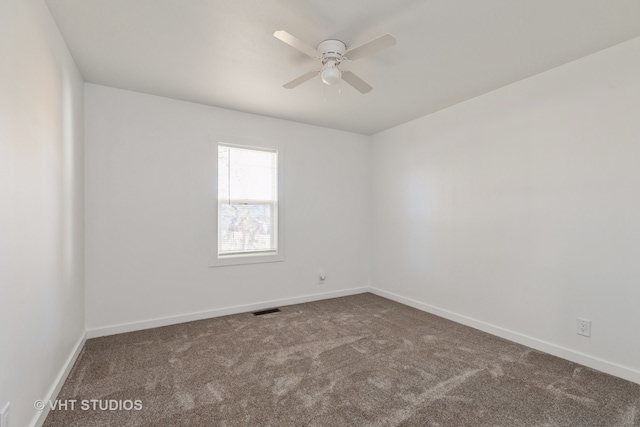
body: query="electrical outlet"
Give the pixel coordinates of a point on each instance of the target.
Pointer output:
(583, 327)
(4, 416)
(321, 277)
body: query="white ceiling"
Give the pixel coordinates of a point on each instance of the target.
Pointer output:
(222, 52)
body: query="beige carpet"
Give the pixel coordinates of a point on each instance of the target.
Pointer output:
(355, 361)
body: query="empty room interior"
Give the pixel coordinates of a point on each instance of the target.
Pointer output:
(322, 213)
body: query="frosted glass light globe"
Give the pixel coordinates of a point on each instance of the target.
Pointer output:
(330, 75)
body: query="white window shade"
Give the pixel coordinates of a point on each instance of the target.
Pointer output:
(247, 201)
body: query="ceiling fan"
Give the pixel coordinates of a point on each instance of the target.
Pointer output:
(333, 53)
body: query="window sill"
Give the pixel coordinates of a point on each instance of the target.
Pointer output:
(245, 259)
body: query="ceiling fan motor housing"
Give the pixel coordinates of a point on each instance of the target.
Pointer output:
(332, 50)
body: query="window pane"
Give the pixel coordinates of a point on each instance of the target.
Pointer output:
(245, 228)
(245, 174)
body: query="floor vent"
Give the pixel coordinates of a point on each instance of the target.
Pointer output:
(267, 311)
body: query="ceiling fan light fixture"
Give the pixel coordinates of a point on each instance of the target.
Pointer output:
(330, 75)
(332, 54)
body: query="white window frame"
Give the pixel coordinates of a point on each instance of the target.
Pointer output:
(241, 259)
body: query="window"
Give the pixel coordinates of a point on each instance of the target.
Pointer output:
(248, 213)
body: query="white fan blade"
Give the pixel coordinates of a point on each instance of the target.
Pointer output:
(355, 81)
(295, 43)
(303, 78)
(371, 47)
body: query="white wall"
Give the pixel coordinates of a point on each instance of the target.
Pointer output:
(520, 209)
(41, 206)
(149, 207)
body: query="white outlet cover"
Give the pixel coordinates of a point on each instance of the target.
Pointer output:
(321, 277)
(583, 327)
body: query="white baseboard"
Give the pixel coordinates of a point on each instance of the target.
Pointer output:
(39, 418)
(172, 320)
(596, 363)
